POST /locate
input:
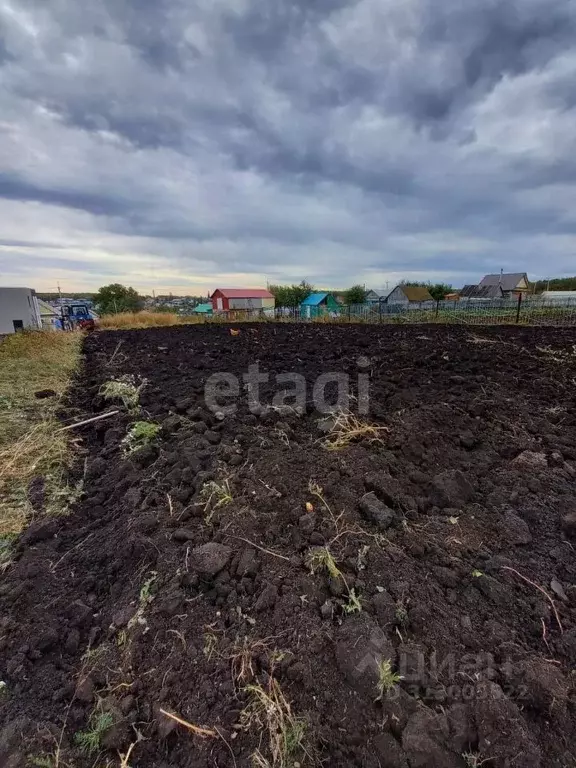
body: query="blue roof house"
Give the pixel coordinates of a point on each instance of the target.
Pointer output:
(202, 309)
(318, 304)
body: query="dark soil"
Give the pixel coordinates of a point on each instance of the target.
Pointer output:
(153, 595)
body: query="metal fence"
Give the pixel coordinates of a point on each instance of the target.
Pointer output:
(521, 311)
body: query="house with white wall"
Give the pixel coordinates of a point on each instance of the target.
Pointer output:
(18, 310)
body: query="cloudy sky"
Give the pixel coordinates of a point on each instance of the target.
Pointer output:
(185, 144)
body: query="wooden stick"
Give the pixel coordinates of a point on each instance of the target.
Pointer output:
(540, 589)
(89, 421)
(202, 732)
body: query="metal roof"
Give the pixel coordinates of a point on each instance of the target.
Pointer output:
(416, 293)
(508, 281)
(245, 293)
(481, 292)
(314, 299)
(202, 308)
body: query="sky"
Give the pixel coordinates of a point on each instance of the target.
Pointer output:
(184, 145)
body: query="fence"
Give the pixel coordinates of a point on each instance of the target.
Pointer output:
(524, 311)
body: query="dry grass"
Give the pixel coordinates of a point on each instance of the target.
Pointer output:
(481, 340)
(30, 443)
(215, 496)
(560, 355)
(124, 320)
(242, 657)
(321, 559)
(269, 711)
(347, 428)
(195, 729)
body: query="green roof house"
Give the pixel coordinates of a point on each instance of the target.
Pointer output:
(318, 304)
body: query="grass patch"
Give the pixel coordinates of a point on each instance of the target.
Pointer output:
(144, 319)
(215, 496)
(89, 741)
(125, 390)
(41, 761)
(6, 543)
(242, 660)
(30, 444)
(139, 435)
(321, 559)
(269, 711)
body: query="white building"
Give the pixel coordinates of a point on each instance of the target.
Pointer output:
(18, 310)
(557, 297)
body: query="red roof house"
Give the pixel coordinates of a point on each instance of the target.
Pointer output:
(241, 298)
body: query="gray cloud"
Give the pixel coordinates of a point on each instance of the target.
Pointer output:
(18, 189)
(355, 140)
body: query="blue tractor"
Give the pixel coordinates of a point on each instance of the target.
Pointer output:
(77, 316)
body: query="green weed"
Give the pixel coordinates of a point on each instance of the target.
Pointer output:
(139, 435)
(89, 740)
(353, 605)
(401, 613)
(146, 595)
(387, 679)
(125, 390)
(41, 761)
(215, 496)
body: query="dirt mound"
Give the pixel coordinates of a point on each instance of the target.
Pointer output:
(408, 599)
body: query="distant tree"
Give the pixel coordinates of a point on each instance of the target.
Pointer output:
(282, 295)
(554, 284)
(114, 298)
(301, 292)
(65, 294)
(355, 295)
(291, 295)
(439, 291)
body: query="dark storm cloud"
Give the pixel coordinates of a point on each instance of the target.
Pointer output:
(30, 244)
(354, 132)
(4, 55)
(15, 189)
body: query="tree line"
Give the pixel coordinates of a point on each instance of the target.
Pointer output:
(294, 295)
(116, 298)
(556, 284)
